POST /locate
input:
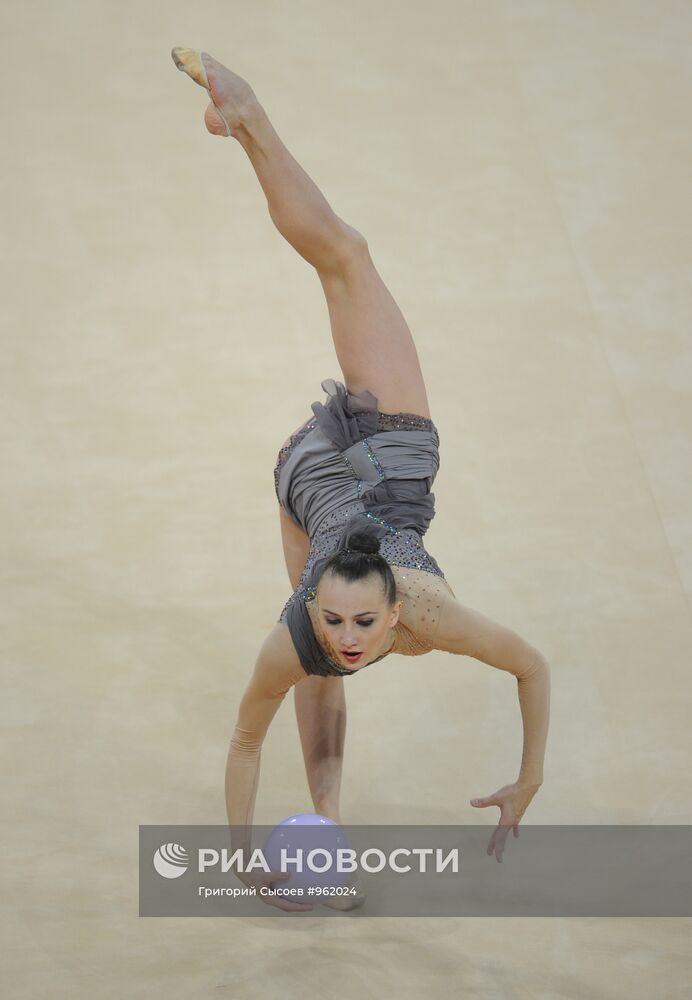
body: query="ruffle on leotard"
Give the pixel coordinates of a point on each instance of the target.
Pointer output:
(347, 449)
(348, 420)
(347, 417)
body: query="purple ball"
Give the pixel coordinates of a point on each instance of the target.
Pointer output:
(307, 832)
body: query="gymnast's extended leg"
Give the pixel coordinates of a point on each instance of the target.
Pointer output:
(373, 343)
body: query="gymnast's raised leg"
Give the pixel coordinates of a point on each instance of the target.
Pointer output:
(373, 344)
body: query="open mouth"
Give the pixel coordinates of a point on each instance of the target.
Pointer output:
(352, 657)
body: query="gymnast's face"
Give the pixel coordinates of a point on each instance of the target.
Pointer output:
(354, 617)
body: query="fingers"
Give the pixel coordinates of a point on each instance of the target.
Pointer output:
(498, 839)
(282, 902)
(496, 845)
(510, 817)
(286, 904)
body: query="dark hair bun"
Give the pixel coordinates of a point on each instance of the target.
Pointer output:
(363, 541)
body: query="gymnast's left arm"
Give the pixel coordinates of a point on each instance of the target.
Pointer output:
(467, 632)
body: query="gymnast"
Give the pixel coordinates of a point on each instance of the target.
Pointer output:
(353, 487)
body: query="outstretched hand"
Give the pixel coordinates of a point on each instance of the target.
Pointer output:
(512, 801)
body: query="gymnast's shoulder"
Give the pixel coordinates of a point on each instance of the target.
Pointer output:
(414, 584)
(278, 666)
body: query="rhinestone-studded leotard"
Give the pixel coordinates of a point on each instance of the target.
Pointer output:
(348, 474)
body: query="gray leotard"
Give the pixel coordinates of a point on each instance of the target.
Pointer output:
(351, 467)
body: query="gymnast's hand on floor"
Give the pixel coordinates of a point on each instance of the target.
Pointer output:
(272, 880)
(512, 801)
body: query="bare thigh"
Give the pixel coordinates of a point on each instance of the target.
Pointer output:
(373, 343)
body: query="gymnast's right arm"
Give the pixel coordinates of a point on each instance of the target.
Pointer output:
(276, 671)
